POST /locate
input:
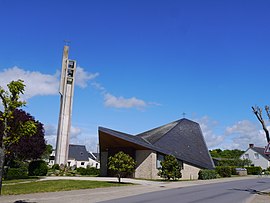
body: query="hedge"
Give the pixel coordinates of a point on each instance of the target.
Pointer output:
(254, 170)
(91, 171)
(16, 173)
(205, 174)
(224, 171)
(37, 168)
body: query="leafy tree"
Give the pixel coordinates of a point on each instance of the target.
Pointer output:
(234, 162)
(258, 113)
(122, 164)
(28, 147)
(48, 151)
(215, 152)
(170, 168)
(229, 154)
(10, 101)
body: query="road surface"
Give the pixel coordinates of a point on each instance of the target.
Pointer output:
(239, 191)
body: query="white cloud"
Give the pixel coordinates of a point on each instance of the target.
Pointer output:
(121, 102)
(75, 132)
(36, 82)
(113, 101)
(243, 133)
(207, 126)
(77, 136)
(82, 77)
(39, 84)
(50, 134)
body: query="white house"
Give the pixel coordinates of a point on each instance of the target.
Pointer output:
(257, 156)
(78, 156)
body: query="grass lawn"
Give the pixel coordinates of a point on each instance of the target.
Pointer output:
(54, 186)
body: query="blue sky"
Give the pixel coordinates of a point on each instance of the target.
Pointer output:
(141, 64)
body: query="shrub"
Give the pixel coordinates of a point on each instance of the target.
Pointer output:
(37, 168)
(205, 174)
(233, 170)
(224, 171)
(56, 167)
(254, 170)
(170, 168)
(91, 171)
(16, 173)
(267, 173)
(121, 164)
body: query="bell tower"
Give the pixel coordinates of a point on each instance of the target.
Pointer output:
(66, 91)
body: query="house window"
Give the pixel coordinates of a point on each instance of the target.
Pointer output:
(256, 156)
(82, 163)
(160, 158)
(246, 156)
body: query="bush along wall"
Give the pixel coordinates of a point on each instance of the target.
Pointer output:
(16, 173)
(205, 174)
(254, 170)
(224, 171)
(37, 168)
(90, 171)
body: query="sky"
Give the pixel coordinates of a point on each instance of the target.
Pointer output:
(142, 64)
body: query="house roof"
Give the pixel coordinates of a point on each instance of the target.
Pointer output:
(260, 150)
(182, 138)
(78, 152)
(96, 156)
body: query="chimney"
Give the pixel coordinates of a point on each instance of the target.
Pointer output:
(251, 145)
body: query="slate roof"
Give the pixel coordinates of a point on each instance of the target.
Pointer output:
(260, 150)
(78, 152)
(182, 138)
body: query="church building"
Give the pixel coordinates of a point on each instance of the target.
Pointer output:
(182, 138)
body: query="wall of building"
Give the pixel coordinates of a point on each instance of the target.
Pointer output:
(146, 164)
(103, 163)
(190, 172)
(256, 160)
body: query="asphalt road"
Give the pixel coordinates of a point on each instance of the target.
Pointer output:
(239, 191)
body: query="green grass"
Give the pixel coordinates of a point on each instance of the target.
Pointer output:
(54, 186)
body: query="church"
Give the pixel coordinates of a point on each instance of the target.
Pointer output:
(182, 138)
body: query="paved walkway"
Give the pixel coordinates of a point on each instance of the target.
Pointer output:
(102, 194)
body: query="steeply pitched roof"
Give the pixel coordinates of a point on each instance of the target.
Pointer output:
(182, 138)
(260, 150)
(96, 156)
(78, 152)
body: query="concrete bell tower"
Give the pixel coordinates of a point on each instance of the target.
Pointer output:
(66, 91)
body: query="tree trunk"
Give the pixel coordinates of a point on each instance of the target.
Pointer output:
(119, 178)
(2, 161)
(2, 154)
(266, 133)
(258, 113)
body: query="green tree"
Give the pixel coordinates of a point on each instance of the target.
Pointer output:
(10, 101)
(122, 164)
(170, 168)
(229, 154)
(48, 151)
(28, 147)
